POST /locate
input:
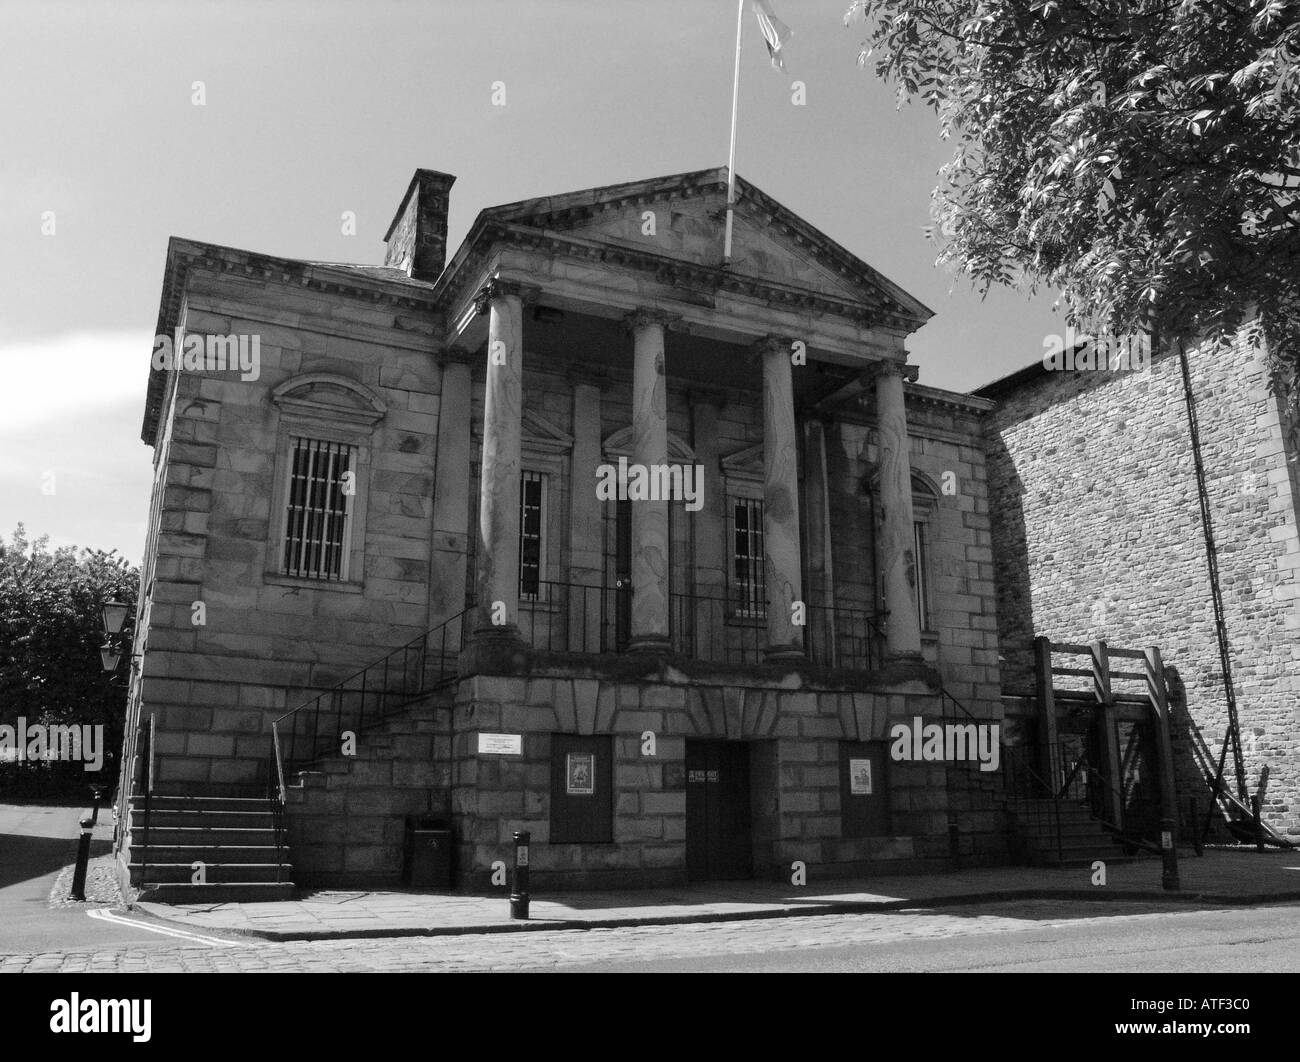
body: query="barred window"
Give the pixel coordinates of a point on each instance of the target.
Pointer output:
(748, 580)
(321, 487)
(532, 525)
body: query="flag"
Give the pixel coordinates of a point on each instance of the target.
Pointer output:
(775, 32)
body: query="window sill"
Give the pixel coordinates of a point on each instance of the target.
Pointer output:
(279, 579)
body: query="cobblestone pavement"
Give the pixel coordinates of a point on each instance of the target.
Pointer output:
(545, 950)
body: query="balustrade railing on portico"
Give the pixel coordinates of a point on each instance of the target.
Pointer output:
(704, 624)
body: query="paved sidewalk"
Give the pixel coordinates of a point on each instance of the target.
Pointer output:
(1220, 877)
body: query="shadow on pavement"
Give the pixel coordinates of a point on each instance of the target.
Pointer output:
(25, 858)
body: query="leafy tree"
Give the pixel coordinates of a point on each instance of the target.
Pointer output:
(50, 633)
(1141, 156)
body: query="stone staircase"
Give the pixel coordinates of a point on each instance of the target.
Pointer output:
(346, 815)
(234, 838)
(1083, 839)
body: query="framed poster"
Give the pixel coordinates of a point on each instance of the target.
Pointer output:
(580, 774)
(582, 789)
(860, 777)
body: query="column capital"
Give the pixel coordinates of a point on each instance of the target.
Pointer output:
(909, 373)
(498, 287)
(643, 316)
(770, 344)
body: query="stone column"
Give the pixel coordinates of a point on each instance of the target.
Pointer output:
(497, 577)
(650, 604)
(447, 569)
(896, 550)
(710, 620)
(586, 527)
(780, 502)
(821, 575)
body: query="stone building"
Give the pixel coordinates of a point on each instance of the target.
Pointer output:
(1098, 535)
(401, 519)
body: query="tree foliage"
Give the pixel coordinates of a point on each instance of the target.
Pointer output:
(1141, 156)
(51, 631)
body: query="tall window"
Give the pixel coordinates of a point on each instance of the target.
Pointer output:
(921, 548)
(532, 525)
(748, 580)
(321, 486)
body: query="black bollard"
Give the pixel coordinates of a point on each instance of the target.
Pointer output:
(1258, 823)
(1196, 834)
(83, 858)
(954, 844)
(1169, 872)
(519, 880)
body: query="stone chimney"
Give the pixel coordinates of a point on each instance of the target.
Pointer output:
(417, 238)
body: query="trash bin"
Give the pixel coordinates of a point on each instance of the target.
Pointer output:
(428, 854)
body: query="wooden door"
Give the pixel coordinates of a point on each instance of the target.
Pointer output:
(718, 840)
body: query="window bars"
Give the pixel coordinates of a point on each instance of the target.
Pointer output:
(319, 511)
(749, 580)
(530, 535)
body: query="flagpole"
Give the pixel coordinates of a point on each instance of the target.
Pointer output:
(731, 158)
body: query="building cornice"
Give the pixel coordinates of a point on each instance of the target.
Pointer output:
(490, 237)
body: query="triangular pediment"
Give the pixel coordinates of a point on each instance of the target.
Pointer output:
(683, 218)
(619, 444)
(744, 464)
(541, 435)
(537, 434)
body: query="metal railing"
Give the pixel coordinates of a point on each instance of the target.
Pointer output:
(703, 624)
(148, 796)
(275, 794)
(127, 779)
(561, 617)
(839, 636)
(1074, 781)
(1038, 804)
(314, 729)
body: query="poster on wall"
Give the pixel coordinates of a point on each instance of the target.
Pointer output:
(580, 774)
(860, 777)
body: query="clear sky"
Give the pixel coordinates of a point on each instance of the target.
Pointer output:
(318, 107)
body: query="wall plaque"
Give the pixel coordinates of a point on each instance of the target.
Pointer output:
(501, 744)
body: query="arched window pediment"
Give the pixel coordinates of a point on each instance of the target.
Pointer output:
(619, 444)
(326, 396)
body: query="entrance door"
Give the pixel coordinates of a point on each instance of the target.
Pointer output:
(718, 843)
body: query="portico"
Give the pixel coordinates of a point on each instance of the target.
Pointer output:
(676, 319)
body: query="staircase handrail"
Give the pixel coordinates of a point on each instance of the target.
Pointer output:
(148, 796)
(379, 667)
